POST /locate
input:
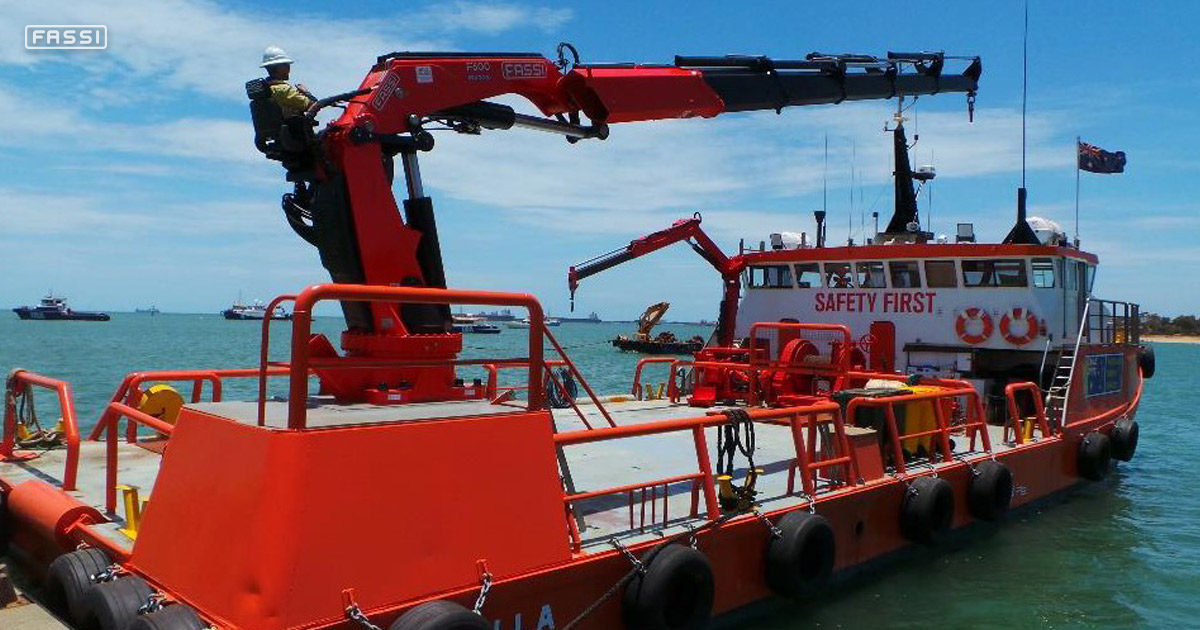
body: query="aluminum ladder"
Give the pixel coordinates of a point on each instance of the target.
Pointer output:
(1058, 396)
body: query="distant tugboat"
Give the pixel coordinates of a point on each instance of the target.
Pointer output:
(662, 343)
(256, 311)
(55, 308)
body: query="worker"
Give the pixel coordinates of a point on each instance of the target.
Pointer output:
(292, 99)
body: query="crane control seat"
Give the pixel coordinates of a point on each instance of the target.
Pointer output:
(289, 140)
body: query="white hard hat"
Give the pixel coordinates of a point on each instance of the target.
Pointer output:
(274, 56)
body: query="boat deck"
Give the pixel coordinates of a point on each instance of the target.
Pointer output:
(633, 515)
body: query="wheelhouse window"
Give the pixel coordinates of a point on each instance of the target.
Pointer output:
(994, 273)
(838, 276)
(1043, 273)
(906, 274)
(808, 275)
(870, 275)
(771, 277)
(939, 274)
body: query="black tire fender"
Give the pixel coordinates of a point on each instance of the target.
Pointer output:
(1095, 456)
(1124, 438)
(800, 560)
(991, 490)
(69, 579)
(440, 615)
(170, 617)
(927, 510)
(675, 593)
(114, 605)
(1146, 361)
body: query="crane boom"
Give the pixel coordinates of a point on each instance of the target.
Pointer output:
(688, 230)
(345, 206)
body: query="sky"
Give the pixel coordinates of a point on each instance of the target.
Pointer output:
(128, 176)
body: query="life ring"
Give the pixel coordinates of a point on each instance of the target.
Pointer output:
(69, 578)
(440, 615)
(675, 593)
(1031, 326)
(171, 617)
(114, 605)
(990, 492)
(1095, 456)
(927, 510)
(800, 559)
(1124, 438)
(969, 316)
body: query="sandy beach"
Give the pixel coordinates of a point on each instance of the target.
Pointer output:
(1172, 338)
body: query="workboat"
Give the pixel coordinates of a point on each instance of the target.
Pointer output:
(53, 308)
(395, 483)
(663, 343)
(153, 310)
(255, 311)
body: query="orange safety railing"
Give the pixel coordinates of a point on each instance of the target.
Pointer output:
(671, 393)
(129, 391)
(797, 417)
(301, 362)
(942, 429)
(1016, 418)
(114, 413)
(25, 379)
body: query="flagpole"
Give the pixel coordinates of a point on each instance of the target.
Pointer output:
(1077, 191)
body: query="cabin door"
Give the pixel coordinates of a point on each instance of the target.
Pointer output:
(883, 346)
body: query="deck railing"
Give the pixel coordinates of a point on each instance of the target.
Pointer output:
(25, 380)
(301, 363)
(1016, 419)
(1112, 322)
(797, 418)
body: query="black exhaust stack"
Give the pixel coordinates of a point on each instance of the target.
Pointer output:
(1021, 233)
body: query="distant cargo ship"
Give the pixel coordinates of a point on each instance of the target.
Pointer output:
(55, 308)
(593, 318)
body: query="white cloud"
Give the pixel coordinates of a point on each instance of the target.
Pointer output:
(201, 47)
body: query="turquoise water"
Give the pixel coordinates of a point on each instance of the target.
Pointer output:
(1121, 554)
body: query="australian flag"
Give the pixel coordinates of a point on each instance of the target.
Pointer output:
(1093, 159)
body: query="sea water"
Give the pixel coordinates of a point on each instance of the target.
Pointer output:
(1123, 553)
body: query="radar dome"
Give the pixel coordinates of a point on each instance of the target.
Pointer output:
(1047, 231)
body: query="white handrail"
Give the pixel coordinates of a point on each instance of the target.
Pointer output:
(1083, 324)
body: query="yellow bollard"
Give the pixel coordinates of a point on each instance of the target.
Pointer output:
(133, 511)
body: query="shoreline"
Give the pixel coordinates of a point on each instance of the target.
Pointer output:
(1193, 339)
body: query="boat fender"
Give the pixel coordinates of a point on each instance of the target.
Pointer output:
(800, 559)
(69, 578)
(1124, 438)
(440, 615)
(1095, 456)
(675, 593)
(991, 491)
(927, 510)
(114, 605)
(965, 319)
(1146, 361)
(1031, 326)
(171, 617)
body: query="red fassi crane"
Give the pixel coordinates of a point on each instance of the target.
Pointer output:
(344, 203)
(683, 230)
